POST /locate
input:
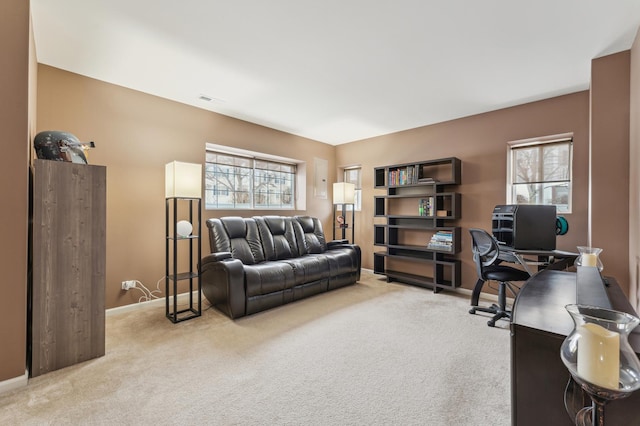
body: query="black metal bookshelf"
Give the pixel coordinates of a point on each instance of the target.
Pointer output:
(175, 252)
(417, 223)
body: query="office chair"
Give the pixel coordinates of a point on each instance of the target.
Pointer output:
(486, 253)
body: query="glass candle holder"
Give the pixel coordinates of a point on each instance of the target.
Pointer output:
(598, 356)
(589, 256)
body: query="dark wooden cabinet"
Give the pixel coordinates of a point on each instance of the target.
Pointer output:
(417, 223)
(68, 244)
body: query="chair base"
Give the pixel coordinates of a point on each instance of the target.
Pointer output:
(497, 311)
(500, 310)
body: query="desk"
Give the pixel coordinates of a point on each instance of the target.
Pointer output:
(545, 259)
(540, 323)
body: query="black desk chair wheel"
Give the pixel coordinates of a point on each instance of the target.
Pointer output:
(485, 255)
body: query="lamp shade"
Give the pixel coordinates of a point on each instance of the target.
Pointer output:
(344, 193)
(183, 180)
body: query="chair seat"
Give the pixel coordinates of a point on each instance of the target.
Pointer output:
(504, 273)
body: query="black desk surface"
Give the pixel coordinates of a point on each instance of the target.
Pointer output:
(541, 302)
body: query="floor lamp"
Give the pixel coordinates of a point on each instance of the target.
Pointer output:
(343, 194)
(183, 186)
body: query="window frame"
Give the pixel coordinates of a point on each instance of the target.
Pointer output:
(541, 143)
(358, 184)
(253, 158)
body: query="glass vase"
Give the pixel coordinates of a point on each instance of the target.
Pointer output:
(598, 356)
(589, 256)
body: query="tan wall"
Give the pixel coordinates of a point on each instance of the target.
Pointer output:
(634, 175)
(136, 135)
(610, 163)
(480, 142)
(15, 53)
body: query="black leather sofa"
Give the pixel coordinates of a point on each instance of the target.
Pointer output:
(266, 261)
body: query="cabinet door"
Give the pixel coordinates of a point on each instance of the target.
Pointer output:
(67, 320)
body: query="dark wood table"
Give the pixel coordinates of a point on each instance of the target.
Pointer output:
(540, 323)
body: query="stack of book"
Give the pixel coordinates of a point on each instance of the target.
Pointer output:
(427, 180)
(441, 240)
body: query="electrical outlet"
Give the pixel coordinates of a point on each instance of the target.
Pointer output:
(128, 284)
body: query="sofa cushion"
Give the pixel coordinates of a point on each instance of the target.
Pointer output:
(309, 235)
(236, 235)
(278, 238)
(310, 268)
(268, 277)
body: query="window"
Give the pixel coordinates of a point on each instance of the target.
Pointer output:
(245, 182)
(540, 170)
(353, 175)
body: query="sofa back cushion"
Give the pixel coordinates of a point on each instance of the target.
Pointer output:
(237, 235)
(278, 237)
(310, 235)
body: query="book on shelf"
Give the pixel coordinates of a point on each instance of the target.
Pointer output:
(408, 175)
(440, 246)
(426, 206)
(441, 240)
(443, 236)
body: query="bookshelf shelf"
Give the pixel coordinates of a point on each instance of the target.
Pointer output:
(180, 257)
(417, 217)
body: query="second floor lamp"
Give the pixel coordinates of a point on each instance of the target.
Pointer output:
(343, 194)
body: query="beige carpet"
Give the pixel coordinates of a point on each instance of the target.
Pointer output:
(369, 354)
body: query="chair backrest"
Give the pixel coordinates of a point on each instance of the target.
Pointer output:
(485, 250)
(309, 235)
(278, 238)
(237, 235)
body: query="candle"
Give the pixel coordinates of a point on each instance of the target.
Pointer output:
(599, 355)
(589, 259)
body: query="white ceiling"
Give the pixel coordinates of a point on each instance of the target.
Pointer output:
(337, 70)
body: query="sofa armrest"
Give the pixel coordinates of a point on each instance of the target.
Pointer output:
(222, 279)
(335, 243)
(342, 244)
(216, 257)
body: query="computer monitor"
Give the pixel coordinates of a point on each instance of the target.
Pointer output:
(525, 226)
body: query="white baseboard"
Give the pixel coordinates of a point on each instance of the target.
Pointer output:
(161, 301)
(15, 383)
(141, 305)
(155, 302)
